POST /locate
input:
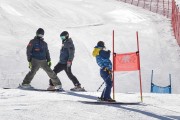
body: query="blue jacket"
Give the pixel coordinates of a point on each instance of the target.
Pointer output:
(102, 58)
(38, 49)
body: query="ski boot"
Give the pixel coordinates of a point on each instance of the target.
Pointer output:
(25, 86)
(77, 88)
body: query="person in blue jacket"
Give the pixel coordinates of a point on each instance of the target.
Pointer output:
(103, 60)
(38, 57)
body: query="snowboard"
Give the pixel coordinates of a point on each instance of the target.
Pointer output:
(35, 89)
(106, 102)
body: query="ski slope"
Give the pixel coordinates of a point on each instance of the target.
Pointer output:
(31, 105)
(87, 22)
(178, 2)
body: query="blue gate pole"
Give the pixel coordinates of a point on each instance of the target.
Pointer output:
(170, 83)
(151, 81)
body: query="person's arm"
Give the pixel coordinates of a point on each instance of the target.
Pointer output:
(29, 51)
(106, 64)
(105, 54)
(47, 54)
(71, 50)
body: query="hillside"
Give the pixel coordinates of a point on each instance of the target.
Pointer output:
(87, 22)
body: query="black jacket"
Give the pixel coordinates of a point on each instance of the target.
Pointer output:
(38, 49)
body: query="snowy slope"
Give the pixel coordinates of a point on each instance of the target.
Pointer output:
(29, 105)
(87, 22)
(178, 2)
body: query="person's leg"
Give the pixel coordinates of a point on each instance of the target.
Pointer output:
(72, 77)
(55, 80)
(102, 94)
(58, 68)
(106, 94)
(35, 67)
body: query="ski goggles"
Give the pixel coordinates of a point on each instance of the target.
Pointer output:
(63, 37)
(40, 35)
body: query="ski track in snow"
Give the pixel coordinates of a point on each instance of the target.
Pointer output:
(10, 10)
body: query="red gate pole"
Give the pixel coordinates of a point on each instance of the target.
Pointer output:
(139, 66)
(113, 65)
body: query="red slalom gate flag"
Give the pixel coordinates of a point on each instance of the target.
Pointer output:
(126, 62)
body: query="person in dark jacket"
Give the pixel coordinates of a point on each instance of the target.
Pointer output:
(38, 57)
(66, 58)
(103, 60)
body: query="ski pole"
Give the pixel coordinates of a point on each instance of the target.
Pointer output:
(100, 87)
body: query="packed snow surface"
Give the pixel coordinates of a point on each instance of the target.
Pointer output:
(30, 105)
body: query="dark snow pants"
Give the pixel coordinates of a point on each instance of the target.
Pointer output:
(36, 64)
(106, 94)
(60, 67)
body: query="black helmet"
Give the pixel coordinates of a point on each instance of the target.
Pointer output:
(100, 44)
(64, 35)
(40, 32)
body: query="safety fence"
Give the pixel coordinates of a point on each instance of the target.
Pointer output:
(163, 7)
(175, 20)
(166, 8)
